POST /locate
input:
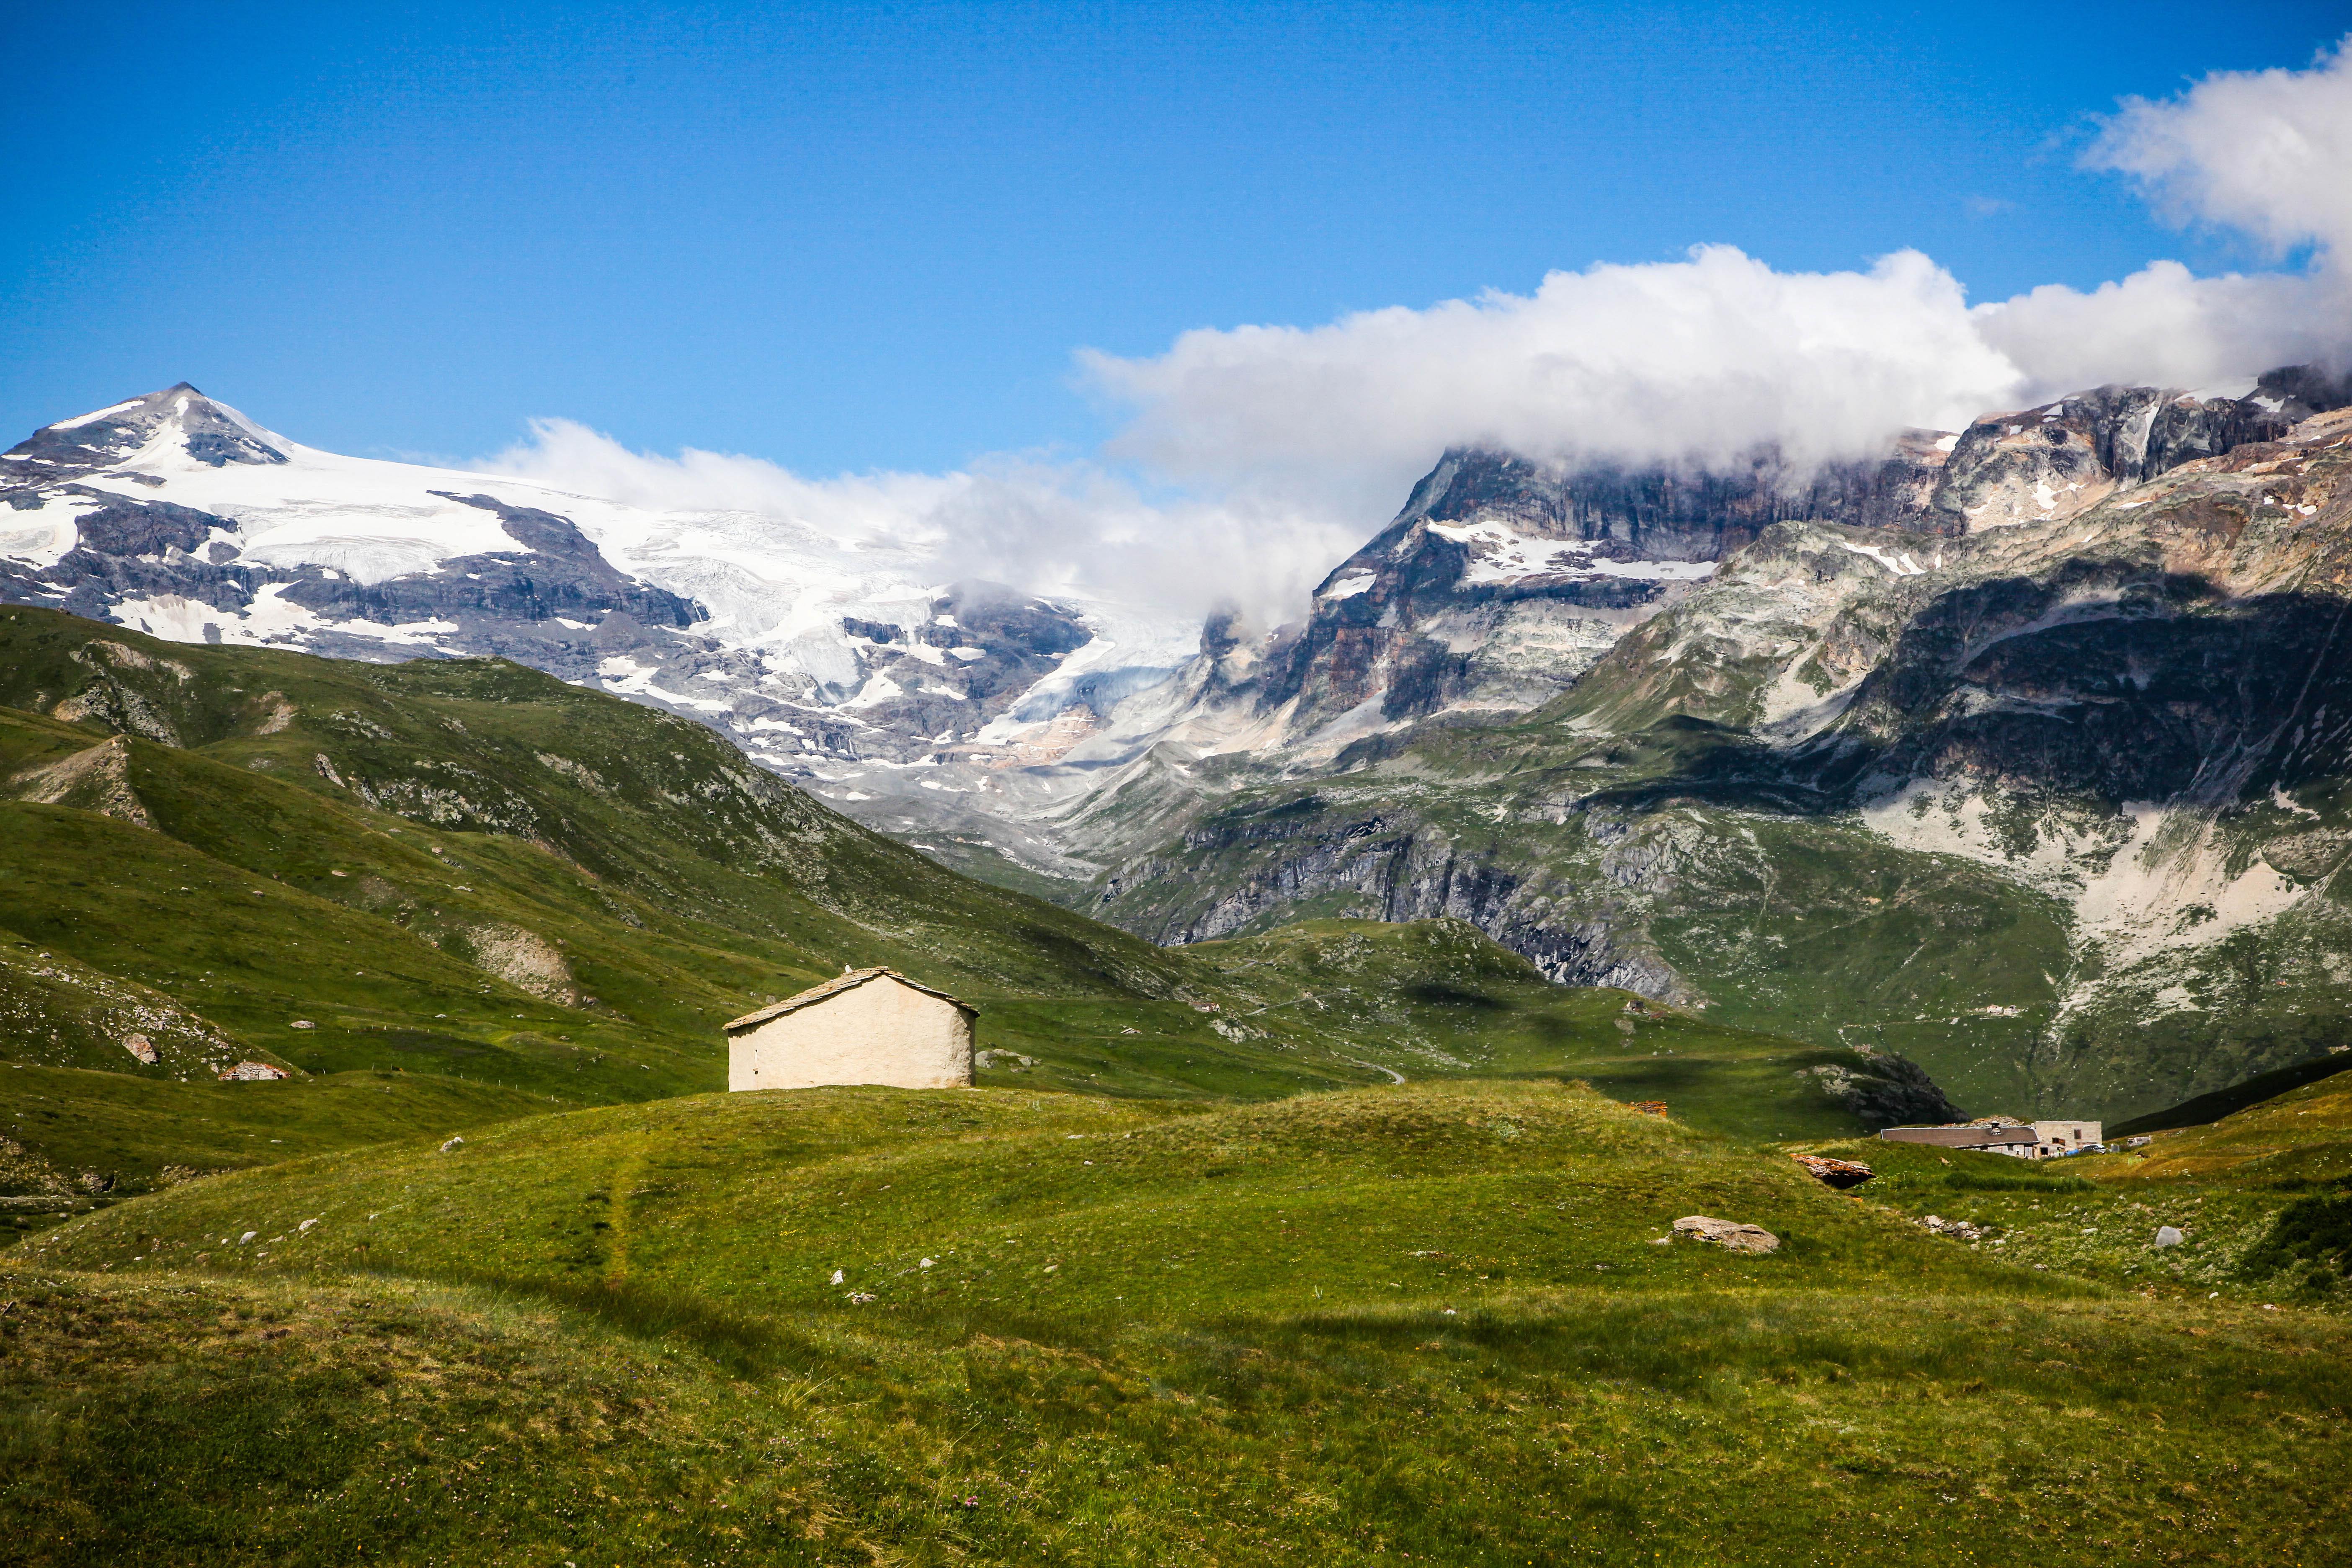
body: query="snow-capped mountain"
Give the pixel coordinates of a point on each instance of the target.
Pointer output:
(851, 662)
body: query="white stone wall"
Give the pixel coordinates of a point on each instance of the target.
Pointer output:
(881, 1032)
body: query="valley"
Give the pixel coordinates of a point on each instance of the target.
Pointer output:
(463, 889)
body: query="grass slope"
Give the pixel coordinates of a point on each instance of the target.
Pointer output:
(2210, 1108)
(2238, 1190)
(469, 871)
(1419, 1324)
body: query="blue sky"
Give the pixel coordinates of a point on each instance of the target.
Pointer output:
(848, 237)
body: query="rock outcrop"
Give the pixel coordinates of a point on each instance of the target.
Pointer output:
(1729, 1234)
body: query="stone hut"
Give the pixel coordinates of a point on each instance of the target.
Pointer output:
(870, 1025)
(2070, 1137)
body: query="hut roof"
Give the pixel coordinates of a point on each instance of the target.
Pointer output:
(834, 987)
(1966, 1135)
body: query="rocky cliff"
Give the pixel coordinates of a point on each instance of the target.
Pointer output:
(2035, 779)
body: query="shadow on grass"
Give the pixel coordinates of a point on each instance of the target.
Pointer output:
(1708, 1346)
(743, 1347)
(1976, 1181)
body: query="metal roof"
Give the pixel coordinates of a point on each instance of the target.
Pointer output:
(1963, 1137)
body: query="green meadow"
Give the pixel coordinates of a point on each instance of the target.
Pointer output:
(1433, 1323)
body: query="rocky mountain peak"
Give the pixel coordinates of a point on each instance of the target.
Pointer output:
(1503, 578)
(179, 421)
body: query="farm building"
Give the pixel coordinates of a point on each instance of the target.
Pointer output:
(1998, 1135)
(1991, 1137)
(869, 1026)
(2067, 1137)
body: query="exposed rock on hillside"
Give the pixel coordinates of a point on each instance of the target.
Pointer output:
(97, 779)
(61, 1013)
(2039, 788)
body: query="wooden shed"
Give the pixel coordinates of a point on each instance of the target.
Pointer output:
(870, 1025)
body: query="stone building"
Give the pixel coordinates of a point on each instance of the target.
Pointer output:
(1989, 1136)
(1999, 1135)
(869, 1026)
(2071, 1137)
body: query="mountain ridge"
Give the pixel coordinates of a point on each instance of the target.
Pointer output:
(2038, 718)
(842, 660)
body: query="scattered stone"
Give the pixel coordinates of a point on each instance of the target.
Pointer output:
(1729, 1233)
(248, 1236)
(301, 1023)
(836, 1275)
(1959, 1229)
(252, 1072)
(143, 1047)
(1838, 1174)
(305, 1224)
(452, 1143)
(927, 1263)
(2169, 1236)
(860, 1298)
(97, 1182)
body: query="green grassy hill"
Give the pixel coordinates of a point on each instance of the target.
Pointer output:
(1431, 1323)
(450, 892)
(2210, 1108)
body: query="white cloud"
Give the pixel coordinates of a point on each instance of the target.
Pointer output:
(1056, 527)
(1705, 359)
(570, 455)
(1698, 361)
(2164, 326)
(2267, 154)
